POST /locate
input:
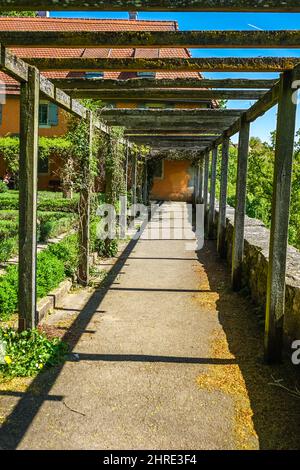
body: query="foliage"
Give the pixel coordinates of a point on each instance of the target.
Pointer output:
(18, 14)
(97, 245)
(29, 352)
(67, 252)
(3, 187)
(260, 184)
(8, 248)
(50, 272)
(8, 293)
(50, 202)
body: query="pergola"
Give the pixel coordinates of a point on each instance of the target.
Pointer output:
(202, 130)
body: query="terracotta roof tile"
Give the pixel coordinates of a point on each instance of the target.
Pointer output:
(78, 24)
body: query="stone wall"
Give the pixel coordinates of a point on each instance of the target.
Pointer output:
(255, 270)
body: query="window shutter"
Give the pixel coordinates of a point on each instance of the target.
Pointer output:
(53, 114)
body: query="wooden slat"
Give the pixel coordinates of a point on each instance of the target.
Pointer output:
(169, 95)
(283, 39)
(144, 83)
(206, 64)
(154, 5)
(275, 302)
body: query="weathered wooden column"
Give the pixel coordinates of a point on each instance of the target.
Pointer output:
(212, 200)
(134, 178)
(145, 185)
(29, 127)
(84, 210)
(126, 169)
(221, 237)
(201, 175)
(205, 189)
(240, 206)
(275, 304)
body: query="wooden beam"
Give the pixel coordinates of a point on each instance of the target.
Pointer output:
(221, 237)
(204, 64)
(171, 113)
(283, 39)
(240, 207)
(178, 95)
(212, 198)
(207, 127)
(144, 83)
(275, 305)
(154, 5)
(169, 133)
(29, 118)
(85, 208)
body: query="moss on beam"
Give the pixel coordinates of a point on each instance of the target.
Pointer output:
(283, 39)
(227, 64)
(144, 83)
(154, 5)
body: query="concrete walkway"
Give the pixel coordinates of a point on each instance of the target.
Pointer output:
(140, 345)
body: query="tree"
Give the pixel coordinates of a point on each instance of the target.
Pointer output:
(18, 13)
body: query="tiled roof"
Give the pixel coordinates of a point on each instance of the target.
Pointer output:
(78, 24)
(66, 24)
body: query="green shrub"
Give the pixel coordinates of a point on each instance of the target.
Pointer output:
(105, 248)
(29, 352)
(9, 214)
(50, 272)
(8, 248)
(53, 228)
(8, 228)
(3, 187)
(9, 293)
(67, 252)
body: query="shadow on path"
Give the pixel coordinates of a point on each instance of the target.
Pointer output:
(276, 414)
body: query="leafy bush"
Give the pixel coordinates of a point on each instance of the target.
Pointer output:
(9, 293)
(50, 272)
(8, 248)
(67, 252)
(3, 187)
(29, 352)
(8, 228)
(51, 228)
(105, 248)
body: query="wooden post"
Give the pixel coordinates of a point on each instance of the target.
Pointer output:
(29, 120)
(196, 182)
(275, 304)
(205, 189)
(84, 211)
(145, 185)
(240, 206)
(212, 200)
(221, 238)
(201, 175)
(134, 182)
(126, 169)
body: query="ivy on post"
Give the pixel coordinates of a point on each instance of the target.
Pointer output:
(221, 236)
(275, 304)
(212, 199)
(29, 119)
(85, 206)
(240, 206)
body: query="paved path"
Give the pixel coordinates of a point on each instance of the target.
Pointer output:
(140, 345)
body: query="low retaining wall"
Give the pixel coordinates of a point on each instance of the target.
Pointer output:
(255, 270)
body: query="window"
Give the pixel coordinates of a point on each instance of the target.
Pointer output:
(48, 115)
(146, 74)
(43, 165)
(43, 115)
(158, 171)
(94, 75)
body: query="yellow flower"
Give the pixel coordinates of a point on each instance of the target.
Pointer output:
(41, 366)
(7, 359)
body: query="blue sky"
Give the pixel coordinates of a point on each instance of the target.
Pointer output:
(224, 21)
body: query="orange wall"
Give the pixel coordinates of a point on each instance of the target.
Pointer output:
(11, 120)
(177, 182)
